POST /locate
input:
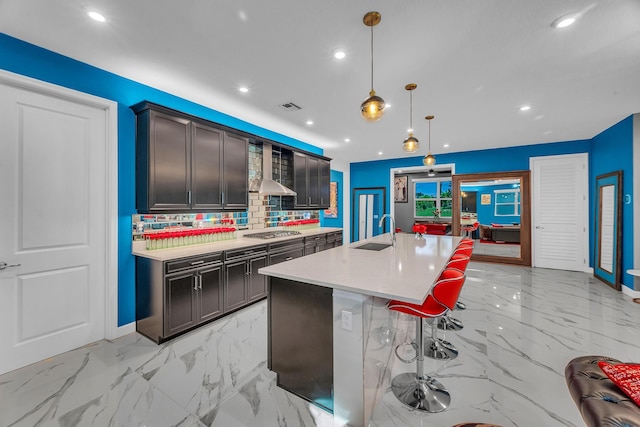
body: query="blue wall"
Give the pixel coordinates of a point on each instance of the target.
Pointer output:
(336, 176)
(612, 150)
(29, 60)
(487, 213)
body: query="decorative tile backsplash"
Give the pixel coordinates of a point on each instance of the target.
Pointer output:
(263, 212)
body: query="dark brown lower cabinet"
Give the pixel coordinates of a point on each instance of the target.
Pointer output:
(243, 283)
(175, 296)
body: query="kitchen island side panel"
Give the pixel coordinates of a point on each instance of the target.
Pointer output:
(301, 339)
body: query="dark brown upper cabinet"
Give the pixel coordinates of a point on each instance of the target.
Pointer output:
(184, 163)
(311, 176)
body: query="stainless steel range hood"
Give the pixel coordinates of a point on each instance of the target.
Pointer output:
(267, 186)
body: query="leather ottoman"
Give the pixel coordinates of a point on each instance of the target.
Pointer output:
(600, 401)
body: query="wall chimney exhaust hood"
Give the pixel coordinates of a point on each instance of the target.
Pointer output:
(267, 186)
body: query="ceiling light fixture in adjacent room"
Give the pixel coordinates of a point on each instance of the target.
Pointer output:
(429, 159)
(565, 20)
(411, 144)
(339, 54)
(372, 108)
(96, 16)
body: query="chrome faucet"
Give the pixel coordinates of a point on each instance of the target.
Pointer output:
(393, 227)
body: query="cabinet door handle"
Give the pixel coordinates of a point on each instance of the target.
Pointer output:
(200, 282)
(198, 262)
(246, 269)
(222, 194)
(189, 197)
(289, 258)
(195, 283)
(309, 199)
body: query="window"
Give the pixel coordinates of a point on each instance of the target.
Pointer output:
(432, 196)
(507, 202)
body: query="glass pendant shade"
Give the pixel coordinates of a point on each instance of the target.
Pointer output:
(429, 159)
(411, 144)
(372, 108)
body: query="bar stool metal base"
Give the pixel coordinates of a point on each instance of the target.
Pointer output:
(450, 323)
(439, 349)
(461, 306)
(423, 394)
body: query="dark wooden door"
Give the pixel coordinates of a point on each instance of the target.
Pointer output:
(180, 307)
(313, 166)
(300, 179)
(210, 303)
(206, 167)
(325, 183)
(235, 289)
(169, 162)
(236, 165)
(257, 286)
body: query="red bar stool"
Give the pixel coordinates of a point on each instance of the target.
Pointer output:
(458, 261)
(469, 229)
(464, 248)
(466, 242)
(415, 389)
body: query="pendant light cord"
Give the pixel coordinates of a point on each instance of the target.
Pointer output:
(411, 110)
(429, 136)
(372, 57)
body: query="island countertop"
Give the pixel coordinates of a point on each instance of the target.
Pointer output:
(404, 272)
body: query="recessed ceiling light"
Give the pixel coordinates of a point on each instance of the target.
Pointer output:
(309, 122)
(243, 89)
(347, 140)
(446, 145)
(339, 54)
(525, 108)
(564, 21)
(379, 153)
(96, 16)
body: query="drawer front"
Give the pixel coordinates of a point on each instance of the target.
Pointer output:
(277, 258)
(320, 239)
(245, 252)
(193, 262)
(286, 245)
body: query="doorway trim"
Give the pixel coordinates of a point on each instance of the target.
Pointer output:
(353, 203)
(414, 169)
(110, 109)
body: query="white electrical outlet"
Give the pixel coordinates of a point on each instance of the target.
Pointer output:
(347, 320)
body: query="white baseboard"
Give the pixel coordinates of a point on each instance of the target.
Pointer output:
(630, 292)
(124, 330)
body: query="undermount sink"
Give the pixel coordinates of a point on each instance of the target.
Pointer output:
(373, 246)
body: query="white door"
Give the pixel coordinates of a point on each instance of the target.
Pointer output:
(560, 215)
(52, 223)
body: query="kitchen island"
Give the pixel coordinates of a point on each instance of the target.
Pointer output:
(330, 333)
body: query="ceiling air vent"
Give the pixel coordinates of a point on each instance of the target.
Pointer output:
(290, 106)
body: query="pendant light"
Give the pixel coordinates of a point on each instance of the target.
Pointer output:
(372, 108)
(411, 144)
(429, 159)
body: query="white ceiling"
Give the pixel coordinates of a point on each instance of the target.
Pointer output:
(475, 63)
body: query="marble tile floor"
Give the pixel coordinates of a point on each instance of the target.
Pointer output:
(522, 326)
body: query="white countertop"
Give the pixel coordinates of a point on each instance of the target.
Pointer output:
(139, 247)
(405, 272)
